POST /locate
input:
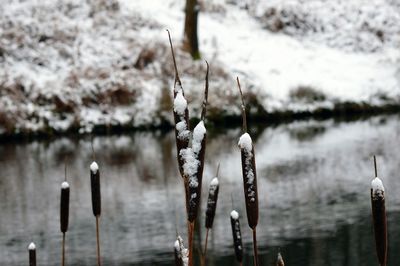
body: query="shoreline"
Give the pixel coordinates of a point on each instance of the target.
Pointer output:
(346, 111)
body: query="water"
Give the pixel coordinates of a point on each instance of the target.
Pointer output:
(313, 178)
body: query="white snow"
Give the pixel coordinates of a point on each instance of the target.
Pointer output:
(198, 136)
(235, 215)
(377, 185)
(180, 103)
(64, 185)
(213, 186)
(190, 155)
(183, 132)
(177, 246)
(245, 142)
(183, 252)
(32, 246)
(190, 162)
(94, 167)
(214, 182)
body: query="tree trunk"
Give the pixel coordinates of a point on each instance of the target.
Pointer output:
(190, 41)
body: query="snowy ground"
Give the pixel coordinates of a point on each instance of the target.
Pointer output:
(76, 65)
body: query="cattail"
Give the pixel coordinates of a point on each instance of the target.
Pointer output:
(379, 217)
(212, 202)
(96, 202)
(279, 260)
(32, 254)
(193, 166)
(181, 114)
(64, 215)
(211, 207)
(237, 236)
(64, 207)
(181, 253)
(249, 177)
(95, 186)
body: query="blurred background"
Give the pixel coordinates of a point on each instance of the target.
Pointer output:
(321, 81)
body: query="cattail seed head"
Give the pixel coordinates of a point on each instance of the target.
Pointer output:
(379, 219)
(249, 179)
(32, 254)
(212, 202)
(181, 253)
(95, 187)
(193, 169)
(237, 236)
(64, 207)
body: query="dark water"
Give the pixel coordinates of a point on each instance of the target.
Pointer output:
(314, 180)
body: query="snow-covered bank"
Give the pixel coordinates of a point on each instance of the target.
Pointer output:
(77, 65)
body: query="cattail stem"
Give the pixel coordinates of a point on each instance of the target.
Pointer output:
(63, 250)
(255, 247)
(205, 245)
(98, 241)
(191, 236)
(375, 167)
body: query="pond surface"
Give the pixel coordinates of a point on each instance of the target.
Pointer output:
(314, 191)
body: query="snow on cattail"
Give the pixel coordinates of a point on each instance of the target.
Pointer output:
(211, 207)
(95, 188)
(379, 217)
(212, 202)
(181, 253)
(64, 207)
(279, 260)
(32, 254)
(193, 168)
(181, 114)
(237, 236)
(249, 179)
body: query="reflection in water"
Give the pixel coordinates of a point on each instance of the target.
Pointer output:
(314, 195)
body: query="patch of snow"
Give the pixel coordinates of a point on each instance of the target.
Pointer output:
(245, 142)
(235, 215)
(214, 182)
(198, 136)
(180, 103)
(377, 185)
(94, 167)
(183, 132)
(64, 185)
(32, 246)
(182, 251)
